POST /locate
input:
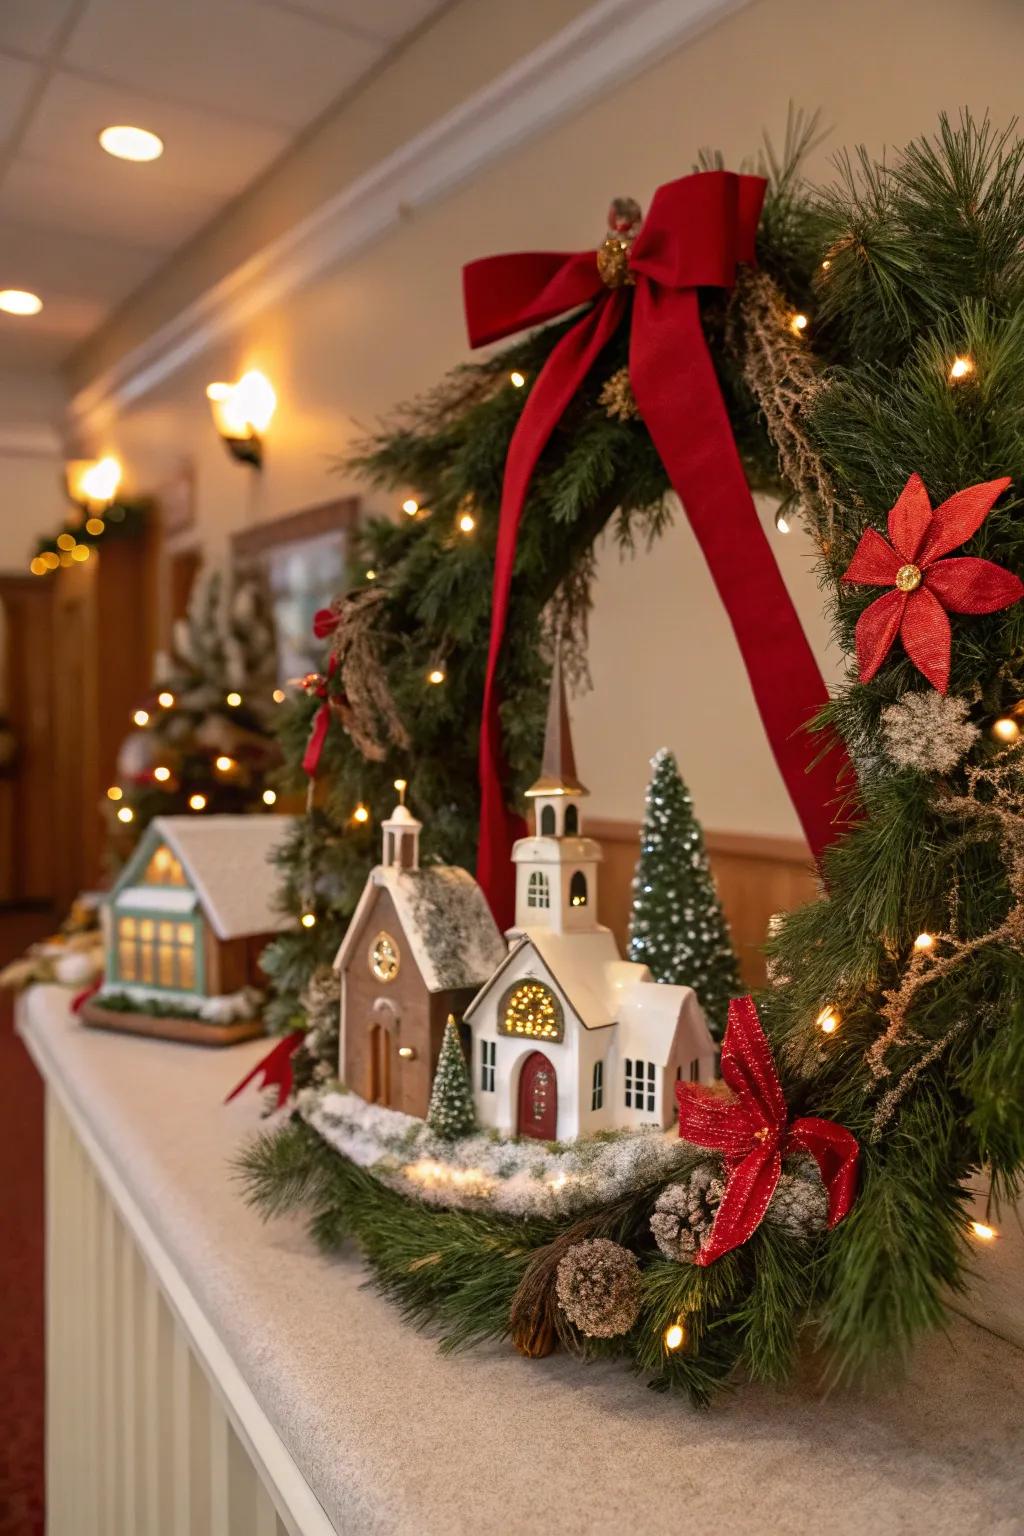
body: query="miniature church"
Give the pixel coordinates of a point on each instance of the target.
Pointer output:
(562, 1036)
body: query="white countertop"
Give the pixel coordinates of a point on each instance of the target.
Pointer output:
(391, 1436)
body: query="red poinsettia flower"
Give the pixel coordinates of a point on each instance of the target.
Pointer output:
(925, 586)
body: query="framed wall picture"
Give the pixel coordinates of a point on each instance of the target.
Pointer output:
(305, 557)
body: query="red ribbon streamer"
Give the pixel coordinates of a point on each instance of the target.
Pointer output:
(80, 999)
(698, 230)
(274, 1069)
(321, 722)
(752, 1132)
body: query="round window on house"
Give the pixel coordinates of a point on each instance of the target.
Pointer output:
(578, 889)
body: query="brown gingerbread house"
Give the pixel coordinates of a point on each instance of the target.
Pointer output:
(420, 945)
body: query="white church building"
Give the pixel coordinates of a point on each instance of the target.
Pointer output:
(567, 1037)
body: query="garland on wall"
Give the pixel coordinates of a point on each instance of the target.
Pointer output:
(880, 340)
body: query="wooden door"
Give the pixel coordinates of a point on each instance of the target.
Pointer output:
(538, 1098)
(26, 772)
(380, 1065)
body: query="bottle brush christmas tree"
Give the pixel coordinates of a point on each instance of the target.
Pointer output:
(678, 927)
(203, 738)
(451, 1111)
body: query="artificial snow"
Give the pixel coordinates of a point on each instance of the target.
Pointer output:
(511, 1177)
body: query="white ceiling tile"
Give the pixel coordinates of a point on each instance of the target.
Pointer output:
(233, 57)
(203, 153)
(385, 19)
(16, 79)
(30, 26)
(58, 269)
(147, 214)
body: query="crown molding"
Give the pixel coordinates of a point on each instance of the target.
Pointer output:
(610, 42)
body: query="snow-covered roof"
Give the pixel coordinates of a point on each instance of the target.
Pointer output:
(649, 1015)
(446, 921)
(226, 859)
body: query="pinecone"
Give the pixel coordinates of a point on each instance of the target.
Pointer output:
(685, 1210)
(598, 1288)
(799, 1206)
(617, 397)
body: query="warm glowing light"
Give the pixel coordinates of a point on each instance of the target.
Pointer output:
(16, 301)
(361, 813)
(99, 482)
(165, 698)
(270, 797)
(798, 324)
(828, 1021)
(402, 785)
(467, 522)
(115, 792)
(95, 526)
(308, 919)
(244, 409)
(224, 764)
(961, 367)
(781, 521)
(1006, 729)
(278, 695)
(50, 559)
(233, 699)
(127, 143)
(80, 552)
(407, 1053)
(141, 717)
(983, 1231)
(410, 506)
(826, 264)
(197, 802)
(517, 379)
(126, 814)
(436, 675)
(674, 1336)
(66, 541)
(924, 941)
(38, 566)
(161, 774)
(371, 575)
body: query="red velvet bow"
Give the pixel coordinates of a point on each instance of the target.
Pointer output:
(321, 720)
(752, 1131)
(274, 1070)
(926, 587)
(697, 231)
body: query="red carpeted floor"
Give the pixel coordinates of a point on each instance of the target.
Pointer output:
(21, 1259)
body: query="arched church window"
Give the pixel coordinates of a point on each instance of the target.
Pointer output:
(572, 821)
(538, 893)
(547, 821)
(578, 889)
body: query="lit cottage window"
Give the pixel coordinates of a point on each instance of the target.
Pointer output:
(531, 1009)
(538, 892)
(157, 951)
(164, 869)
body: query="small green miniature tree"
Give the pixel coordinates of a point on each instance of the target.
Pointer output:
(451, 1112)
(678, 927)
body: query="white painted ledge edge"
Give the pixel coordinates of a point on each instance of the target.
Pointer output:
(608, 43)
(296, 1502)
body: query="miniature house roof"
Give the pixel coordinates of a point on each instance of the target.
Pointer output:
(650, 1014)
(446, 921)
(586, 967)
(226, 860)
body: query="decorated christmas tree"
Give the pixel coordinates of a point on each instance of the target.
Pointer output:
(878, 341)
(202, 740)
(678, 928)
(451, 1100)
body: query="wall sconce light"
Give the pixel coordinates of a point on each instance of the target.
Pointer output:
(93, 483)
(242, 413)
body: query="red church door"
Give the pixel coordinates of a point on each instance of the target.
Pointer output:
(538, 1098)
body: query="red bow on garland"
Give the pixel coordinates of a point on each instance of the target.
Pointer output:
(698, 230)
(752, 1131)
(325, 622)
(926, 587)
(274, 1070)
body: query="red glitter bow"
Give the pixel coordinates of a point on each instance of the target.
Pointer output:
(926, 587)
(274, 1070)
(752, 1131)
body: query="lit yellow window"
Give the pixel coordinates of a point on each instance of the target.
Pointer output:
(163, 868)
(126, 962)
(531, 1009)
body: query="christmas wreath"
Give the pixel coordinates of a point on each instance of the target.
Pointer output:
(872, 368)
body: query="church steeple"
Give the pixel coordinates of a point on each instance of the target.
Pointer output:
(402, 834)
(557, 781)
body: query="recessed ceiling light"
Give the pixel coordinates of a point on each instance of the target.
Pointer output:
(15, 301)
(127, 143)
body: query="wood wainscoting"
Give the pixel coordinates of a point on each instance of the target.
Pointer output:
(756, 876)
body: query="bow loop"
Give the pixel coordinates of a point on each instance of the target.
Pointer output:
(505, 294)
(699, 229)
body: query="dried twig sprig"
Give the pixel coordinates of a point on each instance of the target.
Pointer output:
(369, 713)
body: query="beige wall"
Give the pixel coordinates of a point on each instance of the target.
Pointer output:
(387, 323)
